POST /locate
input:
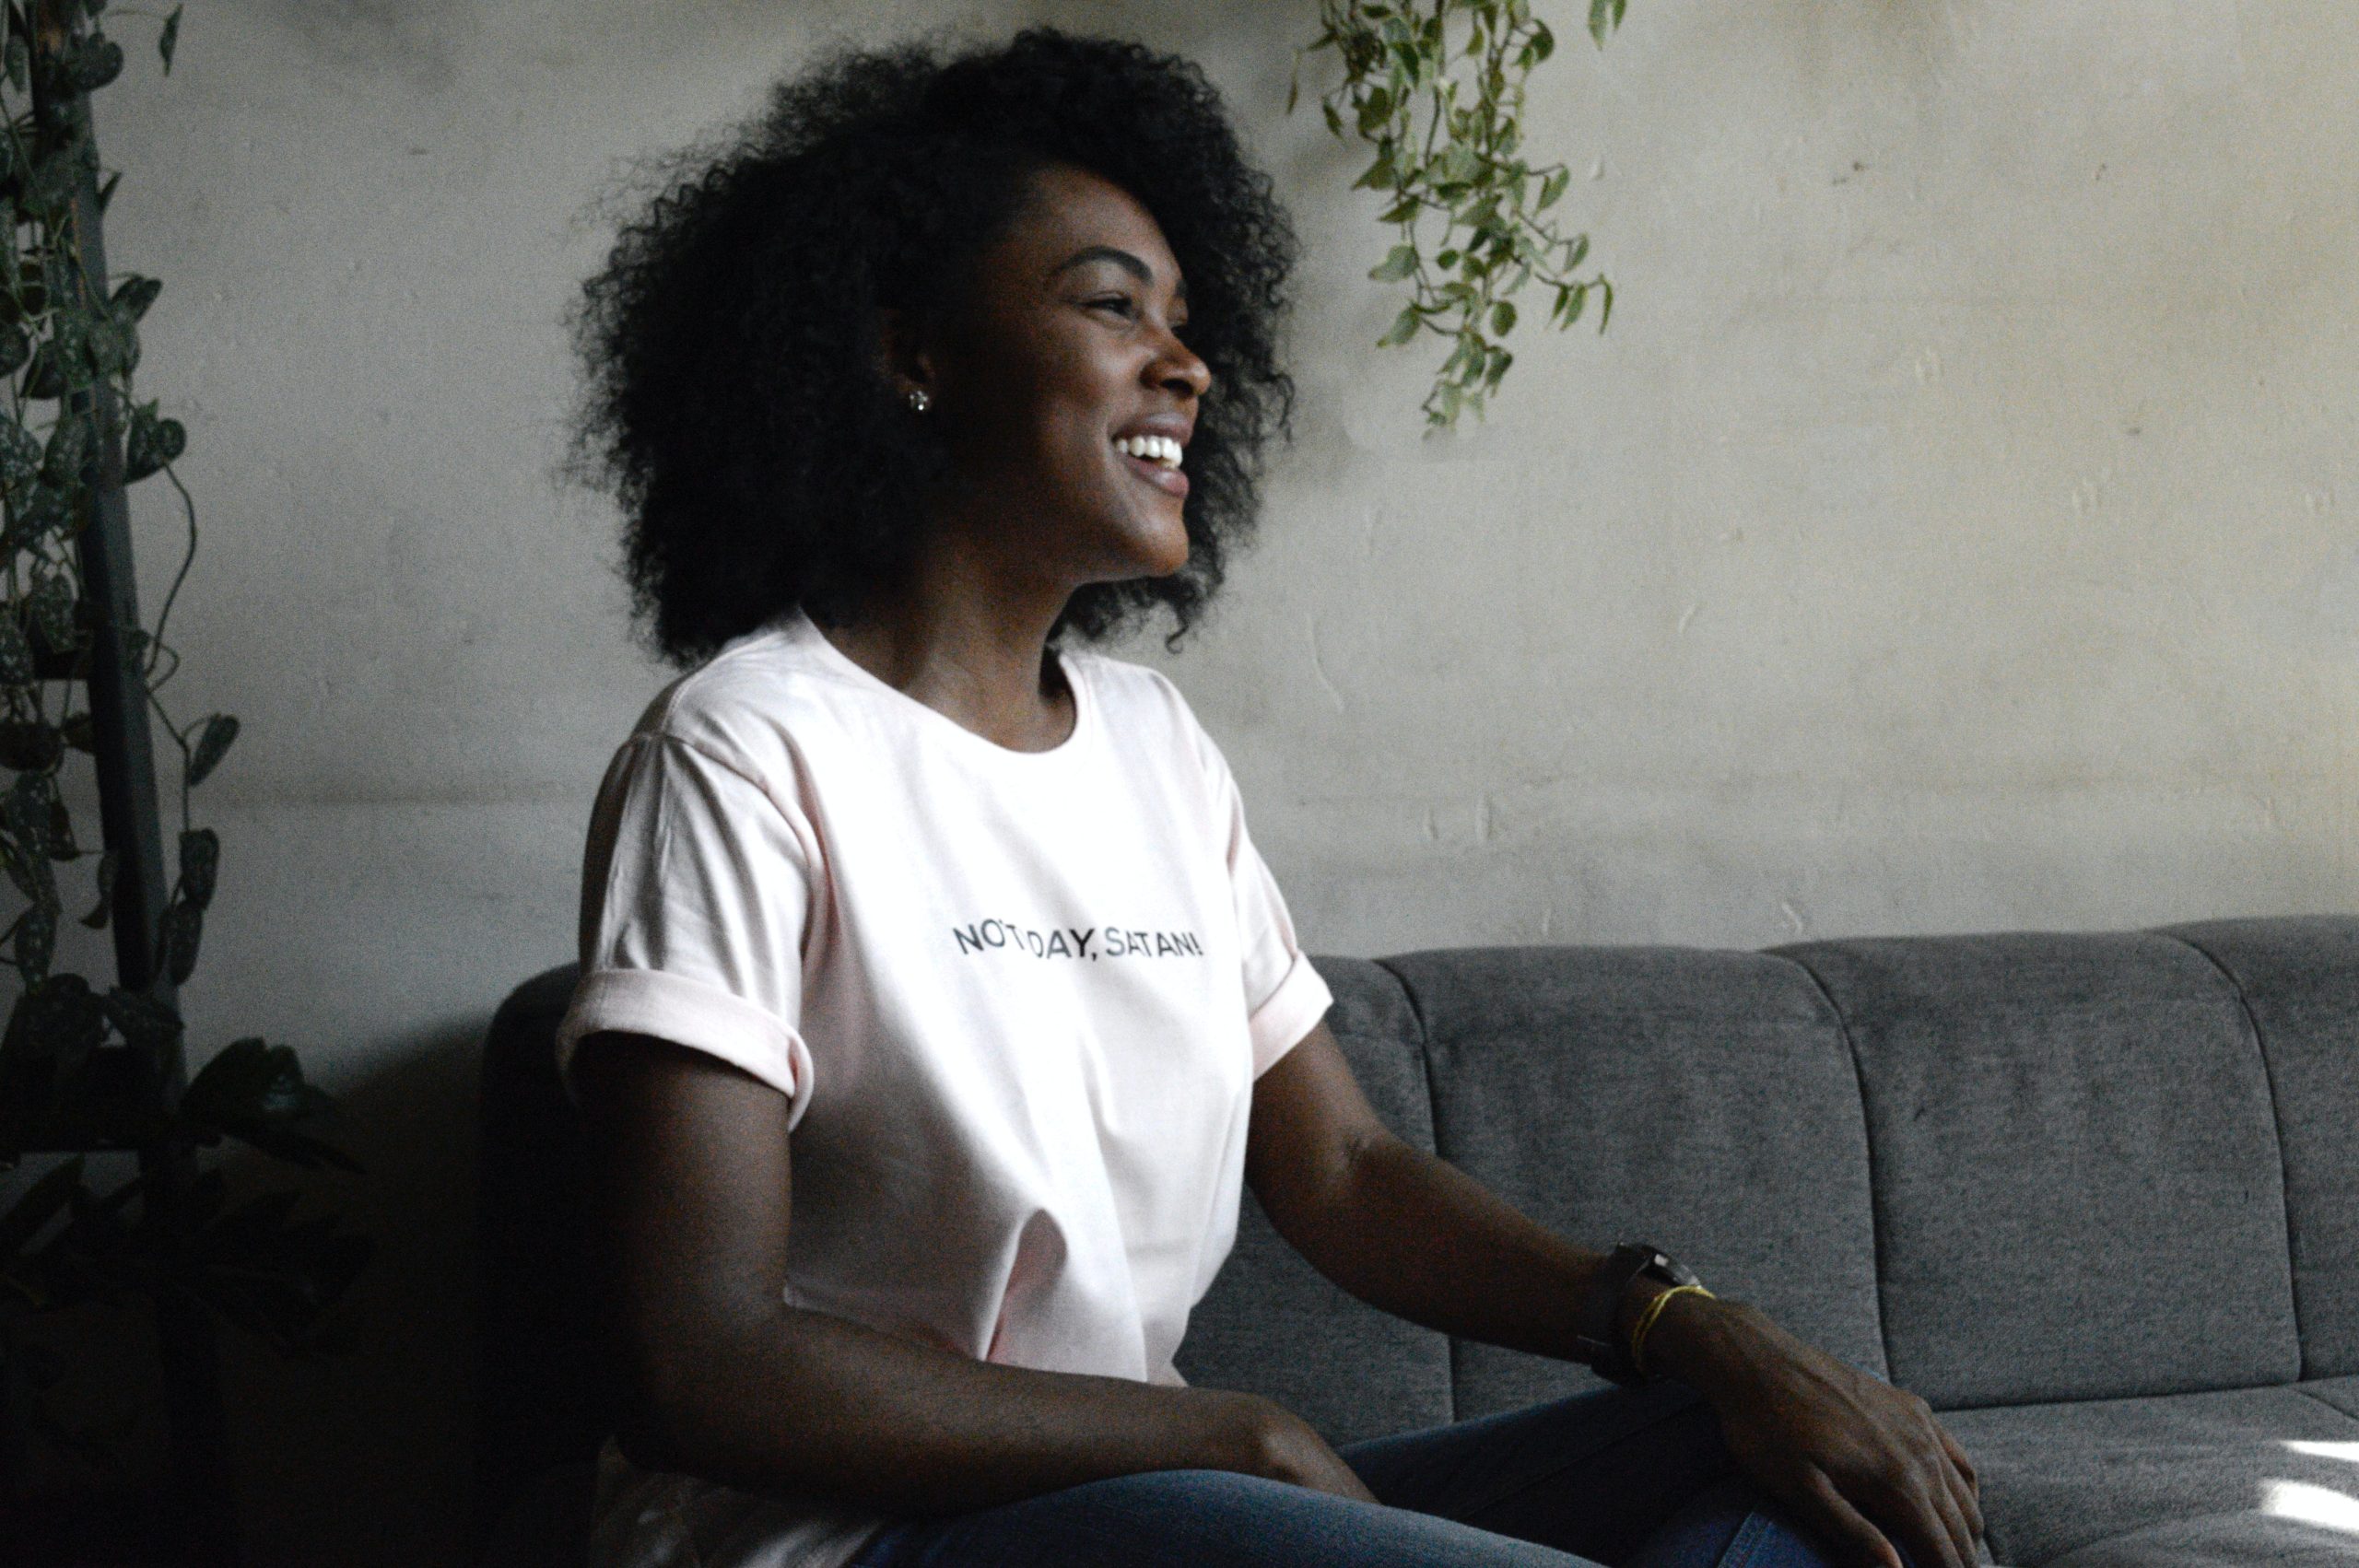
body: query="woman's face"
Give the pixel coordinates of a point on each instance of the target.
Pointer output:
(1070, 342)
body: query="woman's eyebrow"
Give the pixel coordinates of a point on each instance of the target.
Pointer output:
(1122, 259)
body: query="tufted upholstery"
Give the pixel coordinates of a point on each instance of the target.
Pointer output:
(2097, 1196)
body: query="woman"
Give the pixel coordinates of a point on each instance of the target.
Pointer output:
(936, 1003)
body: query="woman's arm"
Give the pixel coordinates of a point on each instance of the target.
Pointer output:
(727, 1382)
(1417, 1237)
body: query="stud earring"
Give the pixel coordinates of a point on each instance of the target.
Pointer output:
(918, 402)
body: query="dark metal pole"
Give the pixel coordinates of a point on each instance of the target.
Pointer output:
(203, 1493)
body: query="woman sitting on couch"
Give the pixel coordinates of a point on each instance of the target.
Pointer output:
(908, 915)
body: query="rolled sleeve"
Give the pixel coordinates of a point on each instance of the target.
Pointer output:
(1279, 1024)
(1284, 995)
(695, 903)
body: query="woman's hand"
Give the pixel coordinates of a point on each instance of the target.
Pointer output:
(1276, 1443)
(1861, 1462)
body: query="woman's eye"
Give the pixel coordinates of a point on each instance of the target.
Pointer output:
(1117, 302)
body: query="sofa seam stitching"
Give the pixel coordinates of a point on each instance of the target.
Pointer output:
(2276, 1131)
(1877, 1226)
(1433, 1128)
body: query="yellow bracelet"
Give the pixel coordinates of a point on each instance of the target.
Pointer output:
(1653, 1311)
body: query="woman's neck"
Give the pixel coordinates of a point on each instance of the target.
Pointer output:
(972, 653)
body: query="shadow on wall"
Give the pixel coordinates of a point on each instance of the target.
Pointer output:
(421, 42)
(362, 1456)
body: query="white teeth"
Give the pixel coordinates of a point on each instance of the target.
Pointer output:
(1154, 449)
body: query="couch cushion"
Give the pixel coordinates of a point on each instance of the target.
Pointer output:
(2342, 1393)
(2077, 1188)
(2300, 978)
(1699, 1100)
(2225, 1540)
(1272, 1325)
(2163, 1480)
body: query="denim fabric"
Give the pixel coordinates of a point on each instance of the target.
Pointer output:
(1631, 1478)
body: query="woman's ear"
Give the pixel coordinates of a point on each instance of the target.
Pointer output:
(905, 363)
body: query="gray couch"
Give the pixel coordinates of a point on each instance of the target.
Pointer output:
(2096, 1197)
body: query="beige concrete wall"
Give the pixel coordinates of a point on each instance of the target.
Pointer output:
(1952, 531)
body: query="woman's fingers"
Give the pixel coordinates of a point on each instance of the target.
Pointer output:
(1863, 1542)
(1966, 1473)
(1946, 1503)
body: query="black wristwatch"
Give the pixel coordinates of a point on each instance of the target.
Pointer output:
(1596, 1336)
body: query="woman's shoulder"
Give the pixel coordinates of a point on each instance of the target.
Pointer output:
(1145, 707)
(747, 704)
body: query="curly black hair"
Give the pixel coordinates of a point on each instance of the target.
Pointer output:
(735, 402)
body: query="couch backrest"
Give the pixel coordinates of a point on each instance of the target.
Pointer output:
(2078, 1192)
(1997, 1169)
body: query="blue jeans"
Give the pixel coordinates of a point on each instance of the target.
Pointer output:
(1635, 1478)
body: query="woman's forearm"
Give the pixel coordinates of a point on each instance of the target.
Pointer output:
(1417, 1237)
(811, 1405)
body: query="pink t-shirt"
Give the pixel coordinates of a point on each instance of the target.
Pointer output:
(1015, 1000)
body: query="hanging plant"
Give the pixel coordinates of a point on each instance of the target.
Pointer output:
(90, 1067)
(1438, 91)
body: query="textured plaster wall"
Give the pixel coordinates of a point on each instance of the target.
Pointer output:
(1952, 531)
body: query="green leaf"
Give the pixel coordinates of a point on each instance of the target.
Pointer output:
(106, 190)
(92, 64)
(19, 455)
(113, 345)
(1604, 306)
(211, 744)
(151, 444)
(43, 1202)
(1544, 42)
(19, 62)
(169, 38)
(15, 349)
(142, 1020)
(27, 745)
(20, 868)
(1401, 211)
(273, 1278)
(68, 450)
(1334, 120)
(52, 606)
(1502, 318)
(35, 512)
(1404, 327)
(46, 379)
(200, 860)
(1400, 263)
(1552, 188)
(53, 182)
(255, 1093)
(1500, 360)
(36, 940)
(178, 936)
(16, 655)
(1604, 16)
(134, 293)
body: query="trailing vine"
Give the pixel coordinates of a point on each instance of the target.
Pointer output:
(87, 1068)
(1437, 89)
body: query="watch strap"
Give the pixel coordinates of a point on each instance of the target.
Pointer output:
(1597, 1336)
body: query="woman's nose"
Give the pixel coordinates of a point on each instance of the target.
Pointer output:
(1180, 368)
